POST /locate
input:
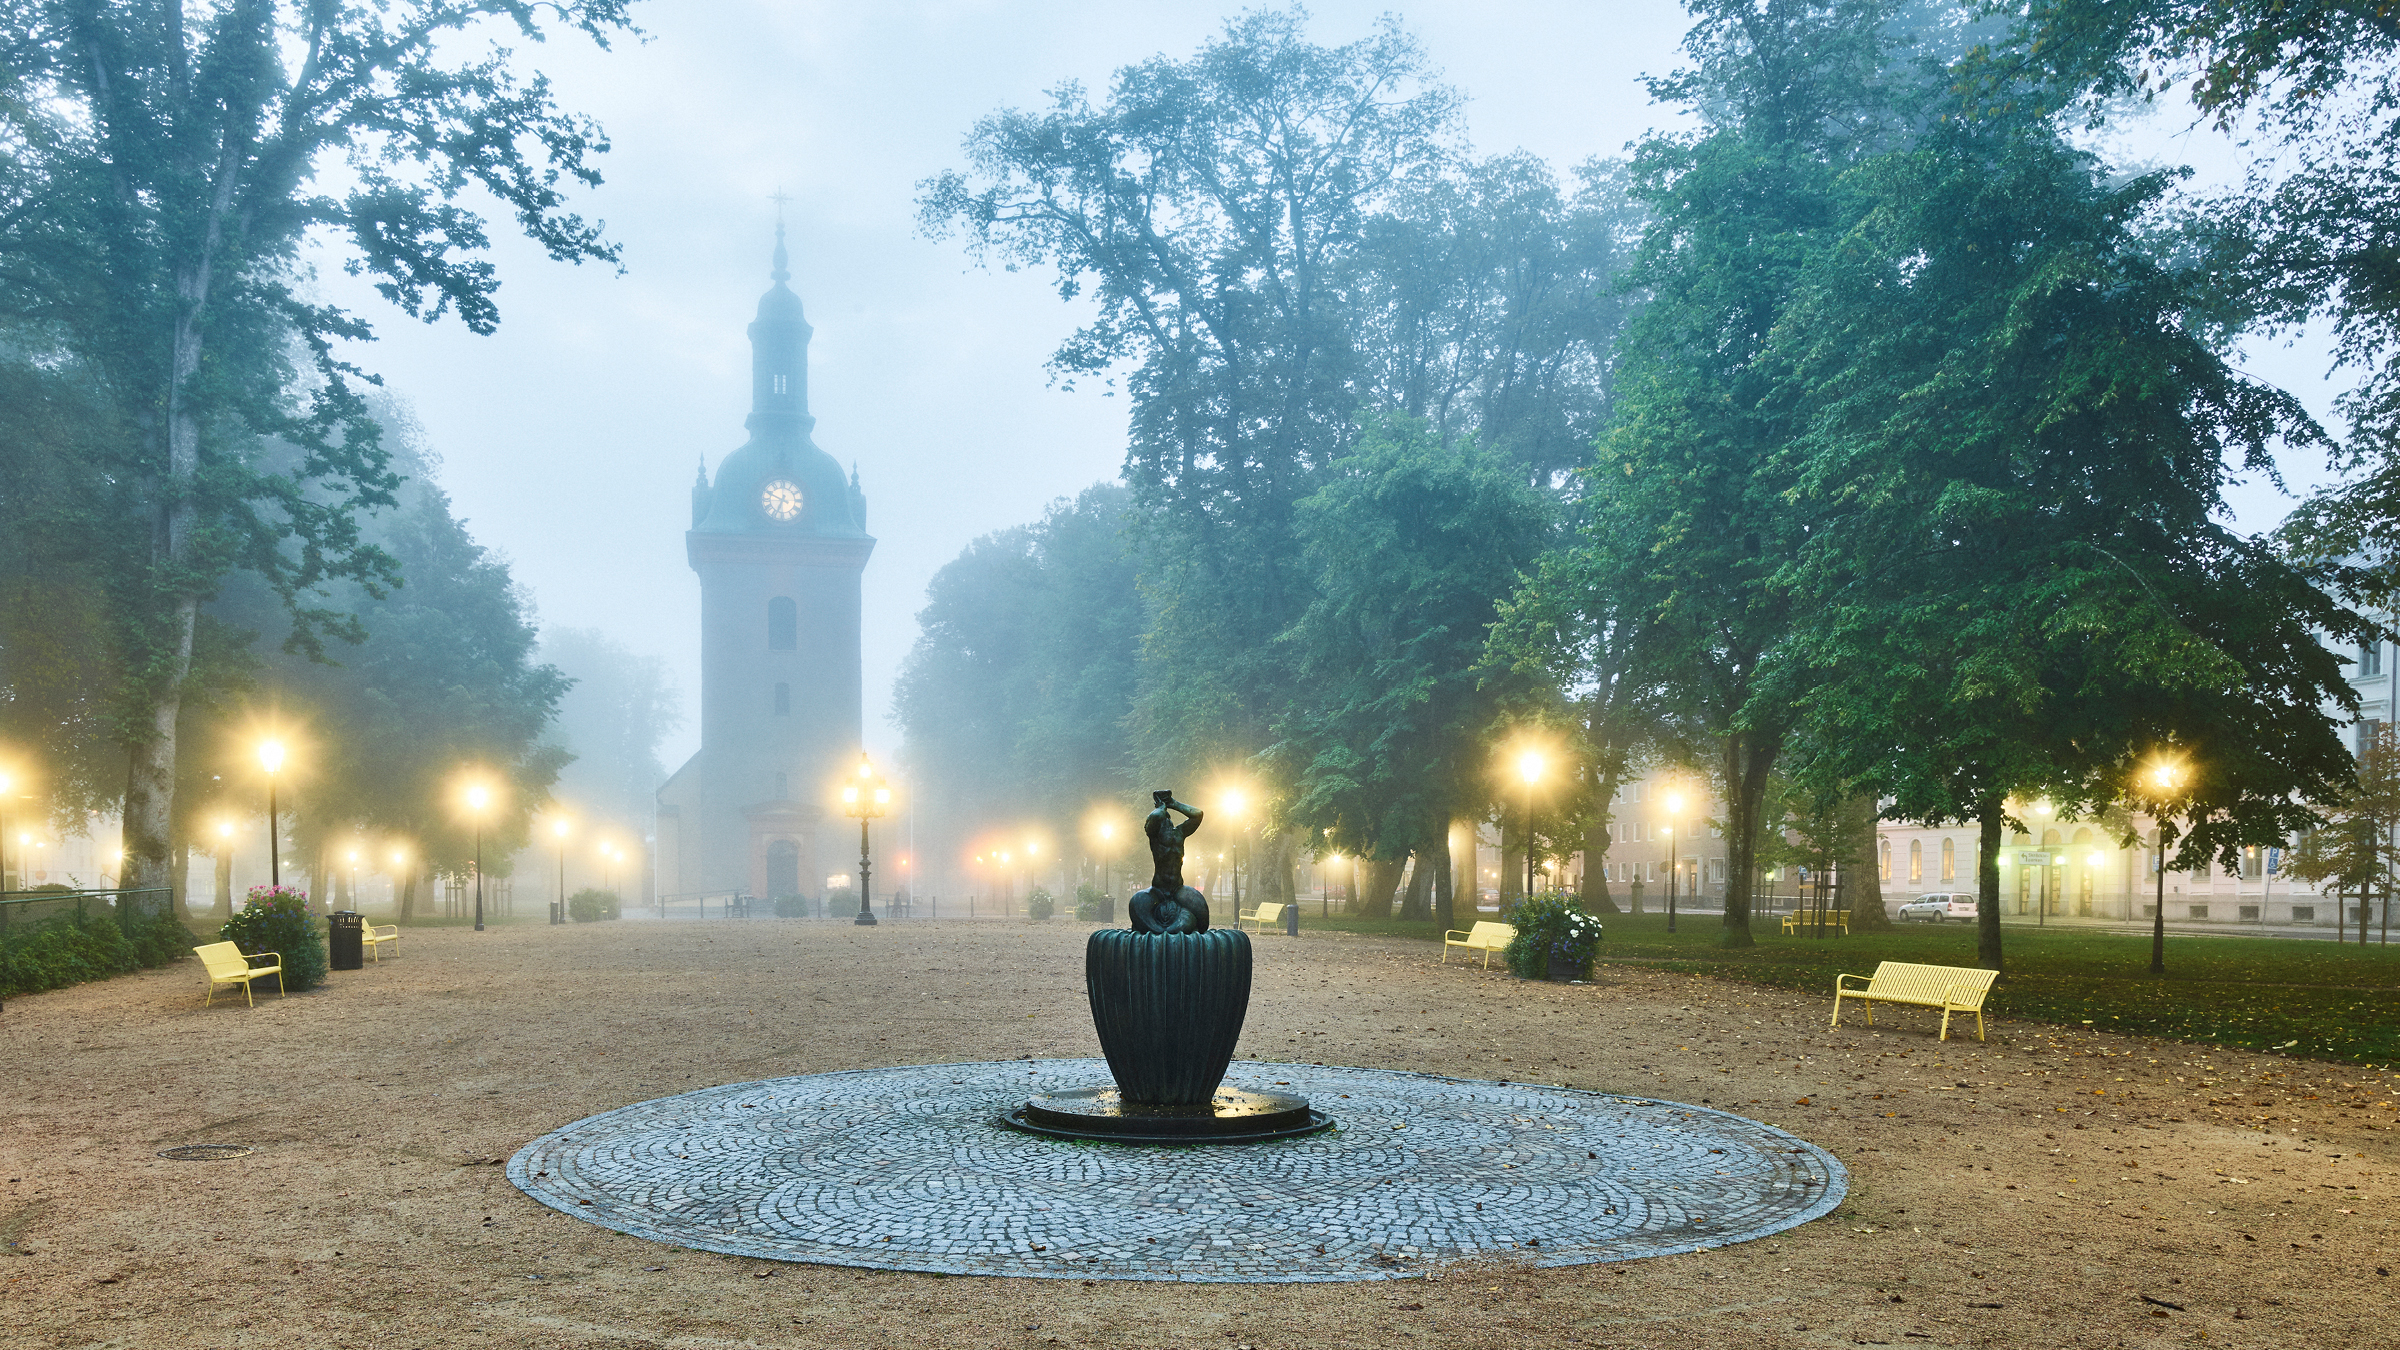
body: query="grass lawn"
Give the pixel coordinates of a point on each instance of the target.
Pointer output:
(2302, 998)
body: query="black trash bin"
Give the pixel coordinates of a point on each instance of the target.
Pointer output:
(344, 928)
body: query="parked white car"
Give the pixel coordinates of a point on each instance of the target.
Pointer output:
(1939, 909)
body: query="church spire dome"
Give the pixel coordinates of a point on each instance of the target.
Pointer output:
(779, 354)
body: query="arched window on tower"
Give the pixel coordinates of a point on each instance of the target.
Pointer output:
(783, 624)
(783, 700)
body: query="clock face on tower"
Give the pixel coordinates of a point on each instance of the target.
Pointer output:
(782, 499)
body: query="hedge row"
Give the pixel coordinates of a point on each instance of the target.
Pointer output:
(72, 948)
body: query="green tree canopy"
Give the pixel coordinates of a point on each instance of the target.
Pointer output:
(165, 165)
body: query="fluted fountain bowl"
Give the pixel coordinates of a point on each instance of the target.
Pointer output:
(1169, 1010)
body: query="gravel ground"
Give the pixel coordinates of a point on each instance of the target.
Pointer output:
(2053, 1187)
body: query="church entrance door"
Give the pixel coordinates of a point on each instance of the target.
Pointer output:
(783, 869)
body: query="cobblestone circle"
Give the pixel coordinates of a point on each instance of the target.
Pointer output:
(903, 1169)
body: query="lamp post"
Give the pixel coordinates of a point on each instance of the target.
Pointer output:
(1529, 767)
(4, 784)
(225, 868)
(865, 799)
(1325, 885)
(2165, 777)
(270, 758)
(478, 797)
(558, 910)
(1674, 863)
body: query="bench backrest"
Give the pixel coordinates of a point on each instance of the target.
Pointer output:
(1485, 933)
(1911, 980)
(1269, 913)
(222, 959)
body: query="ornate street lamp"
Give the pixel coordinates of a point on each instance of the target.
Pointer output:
(2164, 780)
(558, 911)
(478, 797)
(270, 758)
(1674, 803)
(1529, 767)
(863, 800)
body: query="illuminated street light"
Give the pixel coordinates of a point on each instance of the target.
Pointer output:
(1674, 804)
(863, 800)
(270, 758)
(2166, 777)
(1529, 767)
(478, 797)
(559, 829)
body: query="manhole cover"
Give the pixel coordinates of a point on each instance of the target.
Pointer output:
(206, 1152)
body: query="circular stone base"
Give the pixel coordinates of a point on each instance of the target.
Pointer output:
(906, 1168)
(1233, 1116)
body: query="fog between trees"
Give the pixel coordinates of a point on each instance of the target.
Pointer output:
(1867, 442)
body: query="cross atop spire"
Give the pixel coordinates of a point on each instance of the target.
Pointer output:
(783, 261)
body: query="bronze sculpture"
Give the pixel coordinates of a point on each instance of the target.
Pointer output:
(1168, 906)
(1168, 1000)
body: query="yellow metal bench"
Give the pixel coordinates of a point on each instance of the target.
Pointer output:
(373, 937)
(225, 964)
(1804, 920)
(1265, 916)
(1953, 989)
(1485, 937)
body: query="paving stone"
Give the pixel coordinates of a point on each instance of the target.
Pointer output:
(906, 1169)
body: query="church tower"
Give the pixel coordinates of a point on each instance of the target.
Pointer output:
(780, 542)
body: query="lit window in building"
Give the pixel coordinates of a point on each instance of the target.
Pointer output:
(1949, 860)
(1916, 860)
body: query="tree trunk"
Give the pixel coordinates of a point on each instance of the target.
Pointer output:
(1382, 882)
(1417, 905)
(224, 907)
(1749, 755)
(1445, 882)
(1595, 849)
(1861, 878)
(150, 763)
(1512, 864)
(408, 899)
(179, 880)
(1989, 815)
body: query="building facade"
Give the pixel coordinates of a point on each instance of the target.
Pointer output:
(780, 544)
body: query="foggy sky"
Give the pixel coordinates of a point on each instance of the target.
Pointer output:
(569, 440)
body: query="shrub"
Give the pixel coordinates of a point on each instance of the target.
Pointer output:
(592, 905)
(1551, 926)
(92, 944)
(1040, 905)
(794, 907)
(1093, 905)
(276, 919)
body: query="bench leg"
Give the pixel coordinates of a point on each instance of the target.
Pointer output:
(250, 998)
(1837, 1009)
(1945, 1025)
(1979, 1024)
